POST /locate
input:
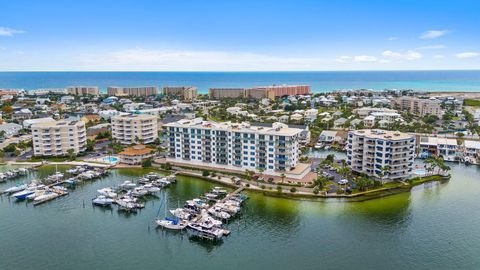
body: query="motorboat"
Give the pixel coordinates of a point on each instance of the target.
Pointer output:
(139, 192)
(151, 189)
(55, 177)
(46, 196)
(101, 200)
(198, 202)
(200, 230)
(21, 195)
(211, 196)
(16, 188)
(37, 193)
(218, 213)
(219, 190)
(181, 214)
(107, 192)
(127, 185)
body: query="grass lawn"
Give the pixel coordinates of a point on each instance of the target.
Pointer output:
(471, 102)
(39, 159)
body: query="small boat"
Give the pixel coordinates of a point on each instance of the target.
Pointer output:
(171, 223)
(16, 188)
(139, 192)
(211, 196)
(101, 200)
(48, 195)
(21, 195)
(181, 214)
(205, 231)
(219, 190)
(218, 213)
(107, 192)
(127, 185)
(35, 194)
(151, 189)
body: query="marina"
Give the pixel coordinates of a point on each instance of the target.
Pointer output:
(266, 231)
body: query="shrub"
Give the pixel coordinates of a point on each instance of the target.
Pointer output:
(147, 163)
(293, 190)
(316, 191)
(262, 186)
(205, 173)
(279, 189)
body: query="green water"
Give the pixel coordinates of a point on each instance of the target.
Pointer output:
(436, 226)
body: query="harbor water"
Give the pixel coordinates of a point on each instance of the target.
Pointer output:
(436, 226)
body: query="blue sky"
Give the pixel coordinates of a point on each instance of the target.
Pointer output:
(239, 35)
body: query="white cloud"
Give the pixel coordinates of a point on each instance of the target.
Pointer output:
(432, 47)
(466, 55)
(431, 34)
(8, 32)
(392, 38)
(439, 56)
(146, 59)
(342, 59)
(408, 55)
(365, 58)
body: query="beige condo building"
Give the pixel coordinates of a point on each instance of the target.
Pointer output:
(135, 128)
(83, 90)
(183, 92)
(143, 91)
(55, 138)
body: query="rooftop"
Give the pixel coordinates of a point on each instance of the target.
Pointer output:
(276, 129)
(136, 150)
(382, 134)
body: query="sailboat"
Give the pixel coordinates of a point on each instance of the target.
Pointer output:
(169, 223)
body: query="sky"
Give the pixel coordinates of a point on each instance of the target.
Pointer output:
(241, 35)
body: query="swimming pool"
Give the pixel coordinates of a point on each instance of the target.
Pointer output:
(420, 172)
(110, 159)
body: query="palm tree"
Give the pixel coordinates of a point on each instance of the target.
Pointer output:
(283, 177)
(384, 170)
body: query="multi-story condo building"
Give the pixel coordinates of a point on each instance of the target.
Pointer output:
(236, 146)
(282, 90)
(448, 149)
(55, 138)
(419, 107)
(83, 90)
(260, 92)
(219, 93)
(366, 111)
(132, 91)
(472, 151)
(135, 128)
(387, 155)
(182, 92)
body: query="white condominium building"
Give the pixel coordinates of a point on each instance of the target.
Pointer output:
(384, 154)
(233, 145)
(135, 128)
(448, 149)
(419, 107)
(83, 90)
(55, 138)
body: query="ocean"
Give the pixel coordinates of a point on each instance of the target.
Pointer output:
(321, 81)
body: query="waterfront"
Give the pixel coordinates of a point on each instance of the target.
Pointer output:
(320, 81)
(433, 227)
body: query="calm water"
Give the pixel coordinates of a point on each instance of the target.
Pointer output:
(437, 226)
(319, 81)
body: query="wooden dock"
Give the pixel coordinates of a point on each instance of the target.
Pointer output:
(235, 192)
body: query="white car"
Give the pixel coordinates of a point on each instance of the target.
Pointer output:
(343, 181)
